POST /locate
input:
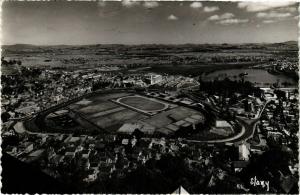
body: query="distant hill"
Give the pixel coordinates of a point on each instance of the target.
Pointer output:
(31, 46)
(19, 46)
(290, 42)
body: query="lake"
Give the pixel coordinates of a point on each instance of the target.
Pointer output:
(261, 78)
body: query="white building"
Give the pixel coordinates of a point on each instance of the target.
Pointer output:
(155, 78)
(243, 152)
(222, 123)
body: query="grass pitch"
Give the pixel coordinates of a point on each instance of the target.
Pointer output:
(142, 103)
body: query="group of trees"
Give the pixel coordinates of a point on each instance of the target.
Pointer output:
(100, 85)
(228, 87)
(10, 62)
(271, 161)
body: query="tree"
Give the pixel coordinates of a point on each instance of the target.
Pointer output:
(5, 116)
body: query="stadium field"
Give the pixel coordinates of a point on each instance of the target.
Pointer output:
(109, 111)
(142, 103)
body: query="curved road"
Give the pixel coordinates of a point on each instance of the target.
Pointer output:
(247, 132)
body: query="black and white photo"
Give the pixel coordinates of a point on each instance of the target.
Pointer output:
(149, 97)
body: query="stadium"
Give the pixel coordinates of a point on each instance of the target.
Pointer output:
(142, 104)
(118, 111)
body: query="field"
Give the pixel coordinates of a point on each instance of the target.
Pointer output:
(188, 59)
(142, 104)
(163, 119)
(110, 111)
(104, 113)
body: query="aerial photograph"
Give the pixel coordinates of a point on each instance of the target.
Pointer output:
(149, 97)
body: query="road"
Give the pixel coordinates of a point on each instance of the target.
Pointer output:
(247, 132)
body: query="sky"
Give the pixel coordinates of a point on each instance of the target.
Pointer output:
(128, 22)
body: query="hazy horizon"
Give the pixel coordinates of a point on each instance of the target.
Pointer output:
(140, 23)
(148, 44)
